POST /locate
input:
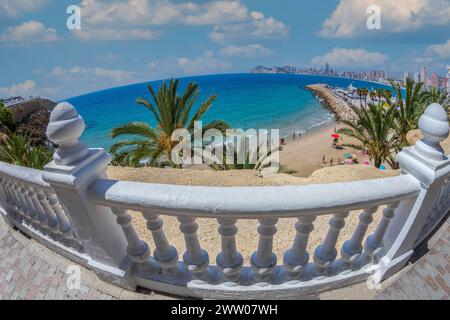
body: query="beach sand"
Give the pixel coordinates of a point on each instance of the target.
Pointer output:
(304, 155)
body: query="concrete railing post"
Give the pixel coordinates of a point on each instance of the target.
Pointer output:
(426, 162)
(73, 169)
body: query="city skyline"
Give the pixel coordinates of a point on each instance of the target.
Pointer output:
(124, 42)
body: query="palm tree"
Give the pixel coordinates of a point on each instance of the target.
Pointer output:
(409, 107)
(365, 92)
(436, 96)
(374, 131)
(171, 112)
(16, 149)
(360, 93)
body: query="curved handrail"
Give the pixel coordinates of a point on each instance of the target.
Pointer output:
(252, 202)
(27, 175)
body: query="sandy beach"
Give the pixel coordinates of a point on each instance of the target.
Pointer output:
(304, 154)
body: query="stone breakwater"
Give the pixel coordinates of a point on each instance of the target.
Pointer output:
(341, 109)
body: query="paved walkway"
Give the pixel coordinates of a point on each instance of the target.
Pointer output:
(429, 275)
(28, 270)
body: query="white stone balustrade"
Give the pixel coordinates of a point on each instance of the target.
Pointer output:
(73, 208)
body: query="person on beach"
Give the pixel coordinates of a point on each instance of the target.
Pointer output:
(293, 135)
(331, 162)
(323, 159)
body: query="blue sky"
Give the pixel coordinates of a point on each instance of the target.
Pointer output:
(129, 41)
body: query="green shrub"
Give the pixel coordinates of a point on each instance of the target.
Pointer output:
(16, 149)
(6, 118)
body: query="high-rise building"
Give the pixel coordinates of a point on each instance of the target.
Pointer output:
(406, 76)
(424, 75)
(448, 78)
(417, 77)
(438, 82)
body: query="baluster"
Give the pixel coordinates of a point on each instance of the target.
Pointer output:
(297, 257)
(165, 254)
(229, 260)
(52, 220)
(32, 209)
(65, 227)
(195, 258)
(263, 261)
(20, 202)
(41, 215)
(3, 184)
(352, 248)
(13, 200)
(374, 243)
(326, 253)
(9, 197)
(137, 250)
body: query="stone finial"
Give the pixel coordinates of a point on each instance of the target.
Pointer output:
(433, 125)
(65, 129)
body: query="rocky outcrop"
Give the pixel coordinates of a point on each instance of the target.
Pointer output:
(35, 126)
(23, 110)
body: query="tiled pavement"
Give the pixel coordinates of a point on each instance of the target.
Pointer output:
(28, 270)
(429, 276)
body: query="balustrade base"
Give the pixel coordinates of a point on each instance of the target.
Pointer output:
(281, 289)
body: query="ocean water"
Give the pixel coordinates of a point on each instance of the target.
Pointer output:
(259, 101)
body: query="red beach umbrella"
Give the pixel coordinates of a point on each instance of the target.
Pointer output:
(335, 136)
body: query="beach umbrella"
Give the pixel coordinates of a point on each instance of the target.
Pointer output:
(347, 155)
(335, 136)
(366, 163)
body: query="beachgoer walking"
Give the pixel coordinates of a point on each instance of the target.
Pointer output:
(323, 160)
(331, 162)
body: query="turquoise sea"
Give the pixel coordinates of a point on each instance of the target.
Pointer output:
(260, 101)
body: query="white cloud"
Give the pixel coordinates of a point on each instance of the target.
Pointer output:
(227, 17)
(251, 50)
(28, 32)
(161, 12)
(205, 64)
(26, 89)
(77, 73)
(341, 57)
(349, 18)
(14, 8)
(440, 50)
(257, 27)
(113, 34)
